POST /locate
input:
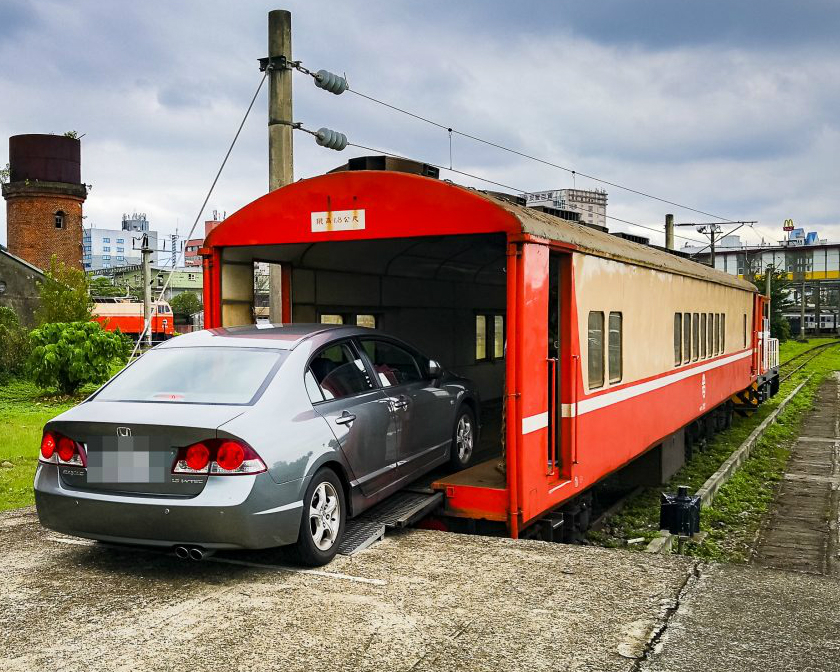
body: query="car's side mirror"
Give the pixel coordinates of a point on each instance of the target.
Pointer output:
(435, 369)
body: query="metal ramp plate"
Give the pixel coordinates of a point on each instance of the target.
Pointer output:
(399, 510)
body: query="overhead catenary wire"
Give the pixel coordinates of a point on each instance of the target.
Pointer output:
(525, 155)
(147, 323)
(494, 182)
(323, 79)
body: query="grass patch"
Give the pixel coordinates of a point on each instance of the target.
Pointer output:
(733, 521)
(24, 410)
(791, 348)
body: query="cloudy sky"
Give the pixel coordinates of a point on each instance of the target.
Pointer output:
(727, 106)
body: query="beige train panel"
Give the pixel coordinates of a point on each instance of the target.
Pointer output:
(235, 314)
(648, 300)
(237, 282)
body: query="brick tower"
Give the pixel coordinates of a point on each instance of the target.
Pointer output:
(44, 199)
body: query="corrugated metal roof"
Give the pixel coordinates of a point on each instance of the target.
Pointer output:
(605, 245)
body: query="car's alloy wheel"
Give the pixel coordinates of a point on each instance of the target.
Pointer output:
(324, 516)
(322, 519)
(463, 439)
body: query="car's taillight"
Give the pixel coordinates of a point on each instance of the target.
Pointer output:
(197, 457)
(59, 449)
(47, 446)
(218, 456)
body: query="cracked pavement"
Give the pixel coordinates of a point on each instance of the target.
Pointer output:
(419, 600)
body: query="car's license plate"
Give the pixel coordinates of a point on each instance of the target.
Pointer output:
(126, 460)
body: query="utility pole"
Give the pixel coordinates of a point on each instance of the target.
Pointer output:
(280, 151)
(146, 253)
(802, 313)
(669, 232)
(712, 229)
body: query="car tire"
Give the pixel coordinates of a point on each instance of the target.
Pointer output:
(322, 520)
(464, 439)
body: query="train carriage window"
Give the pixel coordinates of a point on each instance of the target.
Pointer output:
(686, 337)
(703, 349)
(709, 339)
(498, 336)
(615, 347)
(677, 339)
(695, 337)
(745, 330)
(480, 337)
(722, 333)
(595, 352)
(716, 334)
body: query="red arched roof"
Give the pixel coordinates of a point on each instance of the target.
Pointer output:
(363, 205)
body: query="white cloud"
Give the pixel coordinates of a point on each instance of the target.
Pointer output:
(159, 88)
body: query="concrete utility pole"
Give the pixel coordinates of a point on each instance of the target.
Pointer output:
(802, 314)
(669, 232)
(280, 152)
(146, 253)
(768, 275)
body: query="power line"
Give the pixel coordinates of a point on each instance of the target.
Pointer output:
(489, 181)
(147, 324)
(490, 143)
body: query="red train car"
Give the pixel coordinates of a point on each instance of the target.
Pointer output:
(127, 316)
(589, 350)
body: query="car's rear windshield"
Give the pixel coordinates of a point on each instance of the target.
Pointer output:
(195, 375)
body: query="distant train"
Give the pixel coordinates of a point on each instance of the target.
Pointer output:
(127, 316)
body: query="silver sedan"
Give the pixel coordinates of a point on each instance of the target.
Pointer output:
(252, 437)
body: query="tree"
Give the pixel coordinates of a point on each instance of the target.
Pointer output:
(5, 173)
(186, 303)
(65, 295)
(67, 355)
(14, 344)
(102, 286)
(780, 301)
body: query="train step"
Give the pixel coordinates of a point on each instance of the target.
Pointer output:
(399, 510)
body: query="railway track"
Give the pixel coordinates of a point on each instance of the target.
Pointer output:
(798, 363)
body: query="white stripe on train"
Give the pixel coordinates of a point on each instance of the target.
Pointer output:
(535, 422)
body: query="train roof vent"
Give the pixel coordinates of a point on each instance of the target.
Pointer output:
(569, 215)
(394, 163)
(629, 236)
(504, 196)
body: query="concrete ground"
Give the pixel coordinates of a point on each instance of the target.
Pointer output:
(420, 600)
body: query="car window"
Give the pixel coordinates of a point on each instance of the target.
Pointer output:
(197, 375)
(393, 365)
(339, 373)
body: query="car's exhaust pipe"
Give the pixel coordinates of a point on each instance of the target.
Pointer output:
(182, 552)
(197, 553)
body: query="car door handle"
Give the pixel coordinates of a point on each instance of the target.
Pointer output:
(400, 402)
(345, 418)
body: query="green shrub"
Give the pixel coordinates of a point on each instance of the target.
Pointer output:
(66, 355)
(14, 345)
(64, 295)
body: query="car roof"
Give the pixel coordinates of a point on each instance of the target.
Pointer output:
(275, 336)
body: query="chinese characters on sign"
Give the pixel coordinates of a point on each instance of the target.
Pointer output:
(338, 220)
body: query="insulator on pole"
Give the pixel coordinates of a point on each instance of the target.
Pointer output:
(331, 139)
(329, 81)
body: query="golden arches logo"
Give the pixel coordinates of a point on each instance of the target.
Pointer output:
(788, 225)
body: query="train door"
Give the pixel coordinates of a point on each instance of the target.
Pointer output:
(555, 342)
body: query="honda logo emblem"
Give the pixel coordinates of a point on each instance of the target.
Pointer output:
(123, 431)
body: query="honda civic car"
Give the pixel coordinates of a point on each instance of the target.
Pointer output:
(252, 437)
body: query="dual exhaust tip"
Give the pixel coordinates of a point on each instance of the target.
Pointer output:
(195, 553)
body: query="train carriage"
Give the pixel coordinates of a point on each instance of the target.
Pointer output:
(127, 316)
(589, 350)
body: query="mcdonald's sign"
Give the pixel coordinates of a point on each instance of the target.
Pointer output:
(788, 226)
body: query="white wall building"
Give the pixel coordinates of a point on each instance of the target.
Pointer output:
(591, 204)
(111, 248)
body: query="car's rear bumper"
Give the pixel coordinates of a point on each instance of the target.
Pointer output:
(231, 512)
